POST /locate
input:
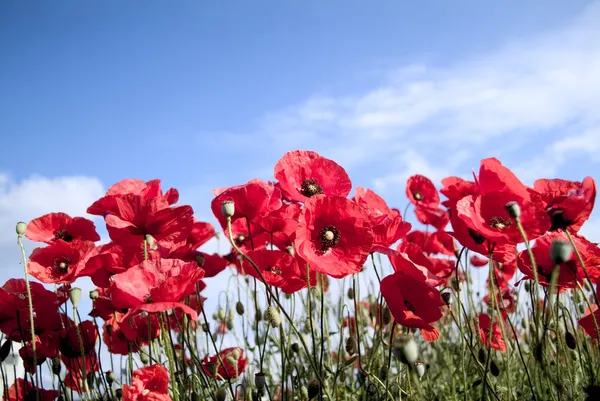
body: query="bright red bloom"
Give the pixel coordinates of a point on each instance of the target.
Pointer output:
(137, 217)
(587, 322)
(569, 203)
(110, 259)
(71, 346)
(148, 384)
(45, 347)
(234, 363)
(278, 268)
(484, 332)
(201, 233)
(455, 188)
(478, 261)
(432, 216)
(211, 264)
(54, 227)
(303, 174)
(570, 272)
(248, 237)
(151, 189)
(421, 191)
(61, 262)
(387, 224)
(334, 235)
(281, 225)
(409, 259)
(252, 200)
(413, 303)
(432, 243)
(22, 390)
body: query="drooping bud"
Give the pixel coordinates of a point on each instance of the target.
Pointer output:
(21, 227)
(406, 350)
(560, 251)
(119, 393)
(570, 340)
(260, 380)
(314, 388)
(239, 308)
(221, 394)
(144, 358)
(383, 373)
(386, 316)
(110, 377)
(447, 297)
(420, 367)
(220, 315)
(75, 296)
(351, 345)
(56, 365)
(494, 369)
(205, 327)
(94, 294)
(513, 209)
(228, 208)
(212, 368)
(272, 316)
(5, 349)
(295, 347)
(350, 293)
(258, 315)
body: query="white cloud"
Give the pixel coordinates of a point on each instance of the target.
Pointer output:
(544, 87)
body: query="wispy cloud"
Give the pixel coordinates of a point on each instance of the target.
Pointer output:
(430, 119)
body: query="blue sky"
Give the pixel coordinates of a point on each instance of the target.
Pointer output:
(209, 94)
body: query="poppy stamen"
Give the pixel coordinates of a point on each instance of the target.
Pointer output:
(239, 239)
(62, 264)
(558, 219)
(410, 306)
(200, 259)
(310, 187)
(274, 270)
(330, 236)
(417, 195)
(499, 223)
(63, 235)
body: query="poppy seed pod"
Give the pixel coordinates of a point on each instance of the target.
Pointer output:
(94, 294)
(239, 308)
(221, 394)
(75, 296)
(314, 388)
(260, 380)
(21, 227)
(406, 350)
(272, 316)
(560, 251)
(228, 208)
(513, 209)
(420, 367)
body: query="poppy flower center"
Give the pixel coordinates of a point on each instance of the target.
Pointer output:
(63, 235)
(148, 299)
(62, 264)
(558, 219)
(200, 259)
(274, 270)
(499, 223)
(310, 187)
(478, 238)
(145, 392)
(330, 236)
(240, 239)
(409, 306)
(417, 195)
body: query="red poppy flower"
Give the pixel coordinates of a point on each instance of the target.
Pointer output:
(61, 262)
(303, 174)
(421, 192)
(22, 390)
(413, 303)
(115, 339)
(587, 322)
(148, 384)
(248, 237)
(570, 272)
(252, 200)
(281, 225)
(74, 340)
(233, 363)
(211, 264)
(107, 260)
(387, 224)
(137, 217)
(44, 348)
(478, 261)
(151, 189)
(409, 259)
(432, 243)
(278, 268)
(54, 227)
(455, 188)
(201, 233)
(334, 235)
(484, 332)
(569, 204)
(432, 216)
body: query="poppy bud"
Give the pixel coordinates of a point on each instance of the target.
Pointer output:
(212, 368)
(56, 365)
(110, 377)
(119, 393)
(406, 350)
(513, 209)
(260, 380)
(570, 340)
(481, 356)
(303, 393)
(560, 251)
(229, 325)
(221, 394)
(144, 358)
(494, 369)
(351, 345)
(239, 308)
(21, 227)
(314, 388)
(587, 285)
(75, 296)
(94, 294)
(205, 327)
(258, 315)
(196, 396)
(581, 308)
(220, 315)
(386, 316)
(420, 367)
(350, 293)
(272, 316)
(228, 208)
(295, 347)
(447, 297)
(5, 349)
(527, 286)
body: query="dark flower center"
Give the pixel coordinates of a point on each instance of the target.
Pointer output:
(499, 223)
(558, 219)
(240, 239)
(478, 238)
(409, 306)
(200, 259)
(63, 235)
(417, 195)
(330, 236)
(310, 187)
(148, 299)
(274, 270)
(62, 264)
